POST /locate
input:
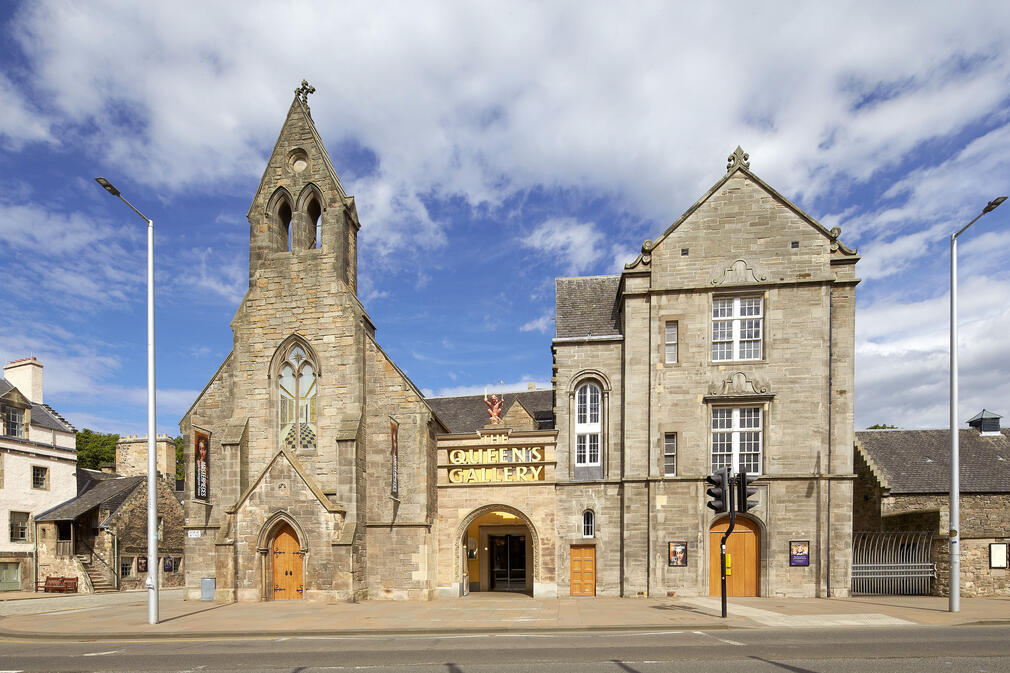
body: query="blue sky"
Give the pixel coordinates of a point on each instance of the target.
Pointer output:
(492, 147)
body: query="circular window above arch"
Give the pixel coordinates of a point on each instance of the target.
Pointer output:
(298, 160)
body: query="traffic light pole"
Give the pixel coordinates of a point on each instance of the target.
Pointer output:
(722, 546)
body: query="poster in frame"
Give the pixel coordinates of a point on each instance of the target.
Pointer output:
(998, 554)
(799, 552)
(201, 476)
(678, 554)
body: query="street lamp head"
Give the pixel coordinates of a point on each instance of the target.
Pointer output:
(992, 205)
(115, 192)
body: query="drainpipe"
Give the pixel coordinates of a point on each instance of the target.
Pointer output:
(831, 340)
(115, 558)
(35, 556)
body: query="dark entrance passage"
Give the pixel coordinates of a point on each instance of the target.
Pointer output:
(508, 562)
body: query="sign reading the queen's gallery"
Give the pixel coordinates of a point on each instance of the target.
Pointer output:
(491, 465)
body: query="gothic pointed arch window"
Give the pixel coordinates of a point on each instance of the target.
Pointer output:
(296, 401)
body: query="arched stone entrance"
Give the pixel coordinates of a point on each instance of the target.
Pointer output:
(744, 548)
(497, 549)
(281, 545)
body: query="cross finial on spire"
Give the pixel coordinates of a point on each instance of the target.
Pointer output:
(738, 158)
(304, 90)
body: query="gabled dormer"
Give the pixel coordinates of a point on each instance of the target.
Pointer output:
(300, 206)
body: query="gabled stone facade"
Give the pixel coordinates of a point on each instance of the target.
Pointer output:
(298, 418)
(741, 241)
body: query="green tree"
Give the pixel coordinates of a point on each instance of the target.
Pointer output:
(179, 470)
(95, 448)
(882, 426)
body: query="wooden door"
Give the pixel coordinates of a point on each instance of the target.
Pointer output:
(743, 548)
(287, 562)
(583, 570)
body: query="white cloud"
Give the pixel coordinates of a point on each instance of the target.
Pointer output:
(575, 244)
(20, 122)
(479, 389)
(543, 324)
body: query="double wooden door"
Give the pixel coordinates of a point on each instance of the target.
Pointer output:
(583, 570)
(743, 548)
(287, 565)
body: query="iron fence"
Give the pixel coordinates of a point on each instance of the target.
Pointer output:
(892, 564)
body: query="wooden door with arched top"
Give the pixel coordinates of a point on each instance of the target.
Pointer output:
(744, 549)
(287, 563)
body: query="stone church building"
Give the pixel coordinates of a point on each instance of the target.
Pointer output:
(317, 470)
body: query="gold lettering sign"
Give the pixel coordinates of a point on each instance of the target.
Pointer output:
(481, 466)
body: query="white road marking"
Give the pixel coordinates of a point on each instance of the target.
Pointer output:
(721, 640)
(101, 654)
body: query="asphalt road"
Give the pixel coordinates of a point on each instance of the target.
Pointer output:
(966, 648)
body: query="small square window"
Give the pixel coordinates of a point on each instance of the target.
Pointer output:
(795, 244)
(40, 476)
(683, 252)
(19, 526)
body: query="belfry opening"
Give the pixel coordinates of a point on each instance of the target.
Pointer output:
(498, 554)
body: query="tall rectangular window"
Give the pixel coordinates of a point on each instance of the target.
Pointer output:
(40, 476)
(125, 566)
(671, 341)
(14, 422)
(737, 439)
(737, 328)
(19, 526)
(588, 428)
(670, 454)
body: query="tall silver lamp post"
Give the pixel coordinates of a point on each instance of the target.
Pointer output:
(955, 459)
(152, 467)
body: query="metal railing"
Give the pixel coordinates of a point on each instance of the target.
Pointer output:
(892, 564)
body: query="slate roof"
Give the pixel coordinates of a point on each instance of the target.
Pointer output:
(43, 416)
(469, 413)
(109, 492)
(918, 461)
(586, 306)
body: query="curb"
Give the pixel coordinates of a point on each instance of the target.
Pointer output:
(10, 634)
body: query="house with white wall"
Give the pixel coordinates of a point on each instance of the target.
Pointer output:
(38, 465)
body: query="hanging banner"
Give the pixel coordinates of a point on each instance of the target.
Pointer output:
(394, 428)
(201, 476)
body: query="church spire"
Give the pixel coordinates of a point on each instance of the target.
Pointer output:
(300, 204)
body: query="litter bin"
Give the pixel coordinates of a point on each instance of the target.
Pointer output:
(207, 586)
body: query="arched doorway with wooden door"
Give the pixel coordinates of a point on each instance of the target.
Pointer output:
(744, 550)
(286, 556)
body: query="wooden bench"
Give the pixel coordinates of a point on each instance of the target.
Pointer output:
(55, 584)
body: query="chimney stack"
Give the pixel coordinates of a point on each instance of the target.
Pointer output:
(26, 375)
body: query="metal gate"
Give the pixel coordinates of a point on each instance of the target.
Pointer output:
(892, 564)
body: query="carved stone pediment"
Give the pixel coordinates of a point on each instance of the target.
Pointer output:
(738, 385)
(740, 272)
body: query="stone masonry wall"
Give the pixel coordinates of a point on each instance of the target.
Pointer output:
(985, 518)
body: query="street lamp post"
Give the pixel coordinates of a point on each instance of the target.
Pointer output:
(955, 477)
(152, 468)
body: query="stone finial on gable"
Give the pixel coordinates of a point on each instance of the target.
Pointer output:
(738, 158)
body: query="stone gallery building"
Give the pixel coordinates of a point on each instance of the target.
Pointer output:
(902, 494)
(317, 470)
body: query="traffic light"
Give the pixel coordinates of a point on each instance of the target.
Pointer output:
(720, 490)
(743, 492)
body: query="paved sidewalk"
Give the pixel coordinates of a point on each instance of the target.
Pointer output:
(124, 616)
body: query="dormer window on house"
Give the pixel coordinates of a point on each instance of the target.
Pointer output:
(297, 400)
(13, 422)
(588, 427)
(737, 328)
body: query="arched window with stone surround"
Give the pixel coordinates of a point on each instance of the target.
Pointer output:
(588, 426)
(296, 400)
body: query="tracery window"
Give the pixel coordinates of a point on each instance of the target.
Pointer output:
(297, 400)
